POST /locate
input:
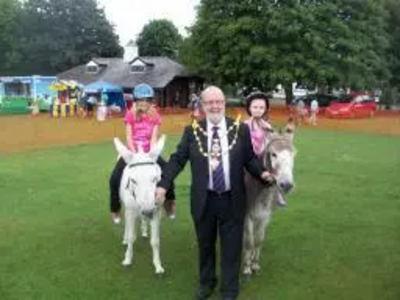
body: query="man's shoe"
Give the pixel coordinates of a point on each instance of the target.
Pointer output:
(228, 298)
(204, 292)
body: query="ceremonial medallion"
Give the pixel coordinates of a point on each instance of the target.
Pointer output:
(215, 152)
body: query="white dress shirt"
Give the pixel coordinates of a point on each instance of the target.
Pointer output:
(222, 130)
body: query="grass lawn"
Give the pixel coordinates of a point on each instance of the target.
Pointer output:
(339, 238)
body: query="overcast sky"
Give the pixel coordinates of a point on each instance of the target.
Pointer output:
(129, 16)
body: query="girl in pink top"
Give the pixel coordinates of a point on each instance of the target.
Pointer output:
(257, 106)
(142, 128)
(142, 125)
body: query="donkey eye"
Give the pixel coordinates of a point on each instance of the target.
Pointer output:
(273, 154)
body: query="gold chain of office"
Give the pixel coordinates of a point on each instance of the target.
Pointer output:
(215, 148)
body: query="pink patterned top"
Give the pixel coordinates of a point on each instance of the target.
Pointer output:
(142, 129)
(257, 137)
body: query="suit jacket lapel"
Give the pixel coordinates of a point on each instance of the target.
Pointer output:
(231, 136)
(204, 144)
(203, 138)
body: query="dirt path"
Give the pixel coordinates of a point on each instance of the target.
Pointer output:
(24, 132)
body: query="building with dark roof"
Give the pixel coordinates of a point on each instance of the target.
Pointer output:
(172, 83)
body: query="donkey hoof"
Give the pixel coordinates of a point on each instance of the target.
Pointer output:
(145, 236)
(160, 275)
(160, 272)
(126, 263)
(247, 277)
(255, 268)
(255, 272)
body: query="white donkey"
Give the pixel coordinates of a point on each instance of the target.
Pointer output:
(137, 193)
(278, 158)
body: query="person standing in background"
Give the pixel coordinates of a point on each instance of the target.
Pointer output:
(314, 109)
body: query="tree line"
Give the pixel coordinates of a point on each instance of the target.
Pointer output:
(328, 43)
(49, 36)
(261, 43)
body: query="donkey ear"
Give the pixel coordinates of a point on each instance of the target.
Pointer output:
(269, 132)
(268, 128)
(122, 150)
(290, 128)
(157, 149)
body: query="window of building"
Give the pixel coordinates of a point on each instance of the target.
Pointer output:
(92, 69)
(138, 69)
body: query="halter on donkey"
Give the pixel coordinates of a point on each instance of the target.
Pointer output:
(278, 158)
(137, 193)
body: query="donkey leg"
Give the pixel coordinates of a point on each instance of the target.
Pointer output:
(248, 245)
(155, 224)
(143, 227)
(130, 235)
(125, 239)
(259, 236)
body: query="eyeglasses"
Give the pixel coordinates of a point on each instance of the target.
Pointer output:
(214, 102)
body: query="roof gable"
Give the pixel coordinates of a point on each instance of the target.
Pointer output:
(92, 64)
(158, 73)
(137, 62)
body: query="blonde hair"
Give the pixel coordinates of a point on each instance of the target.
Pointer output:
(151, 112)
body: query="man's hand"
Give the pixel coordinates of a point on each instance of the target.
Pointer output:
(267, 177)
(160, 194)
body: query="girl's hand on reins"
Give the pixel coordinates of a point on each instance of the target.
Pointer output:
(267, 177)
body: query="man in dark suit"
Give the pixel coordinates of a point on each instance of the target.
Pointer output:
(219, 149)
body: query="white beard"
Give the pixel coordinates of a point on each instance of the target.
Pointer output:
(215, 118)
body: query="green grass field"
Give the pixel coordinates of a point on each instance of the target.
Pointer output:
(339, 238)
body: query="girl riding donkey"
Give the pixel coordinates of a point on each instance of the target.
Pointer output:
(257, 106)
(142, 126)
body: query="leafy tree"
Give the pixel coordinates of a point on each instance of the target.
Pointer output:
(59, 34)
(159, 38)
(363, 46)
(393, 27)
(262, 43)
(9, 14)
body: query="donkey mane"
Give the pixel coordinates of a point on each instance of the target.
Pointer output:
(279, 142)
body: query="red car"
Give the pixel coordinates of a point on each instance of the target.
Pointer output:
(352, 106)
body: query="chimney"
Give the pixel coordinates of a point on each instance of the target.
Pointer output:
(131, 51)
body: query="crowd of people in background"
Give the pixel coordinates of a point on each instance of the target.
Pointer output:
(80, 104)
(77, 103)
(301, 115)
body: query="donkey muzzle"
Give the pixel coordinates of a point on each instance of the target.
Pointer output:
(286, 186)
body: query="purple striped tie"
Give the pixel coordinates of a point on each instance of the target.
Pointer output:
(218, 176)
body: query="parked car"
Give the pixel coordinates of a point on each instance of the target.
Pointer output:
(301, 90)
(324, 100)
(354, 105)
